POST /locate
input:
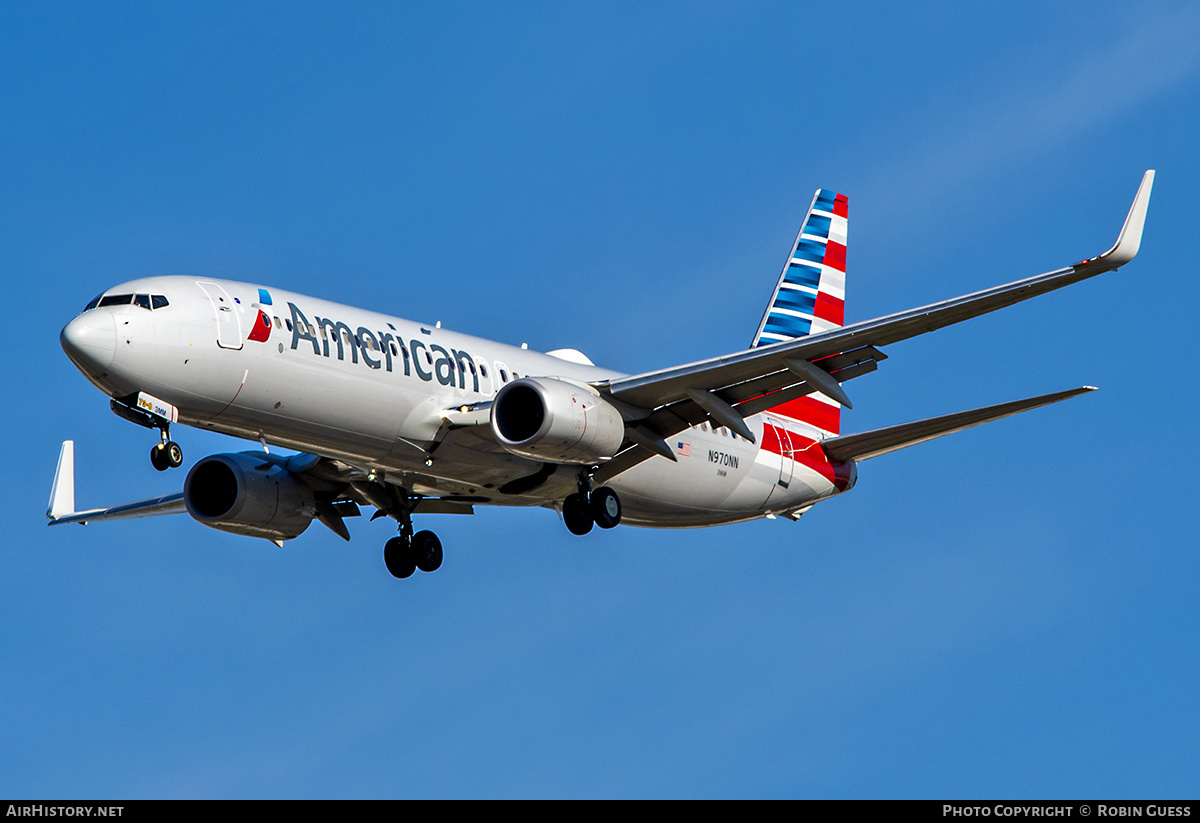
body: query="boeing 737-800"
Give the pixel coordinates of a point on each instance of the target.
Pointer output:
(413, 419)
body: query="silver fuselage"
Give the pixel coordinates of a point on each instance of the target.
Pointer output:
(373, 391)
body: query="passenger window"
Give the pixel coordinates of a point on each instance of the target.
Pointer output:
(278, 322)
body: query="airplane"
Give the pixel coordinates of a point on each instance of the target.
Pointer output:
(412, 419)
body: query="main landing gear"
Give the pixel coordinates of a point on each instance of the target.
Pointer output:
(405, 554)
(582, 510)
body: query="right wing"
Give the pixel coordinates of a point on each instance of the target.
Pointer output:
(659, 404)
(61, 508)
(338, 487)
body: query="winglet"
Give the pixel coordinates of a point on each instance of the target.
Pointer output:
(62, 494)
(1130, 238)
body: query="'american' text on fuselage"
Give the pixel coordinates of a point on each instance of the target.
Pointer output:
(452, 367)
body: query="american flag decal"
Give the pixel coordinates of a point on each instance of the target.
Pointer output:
(684, 449)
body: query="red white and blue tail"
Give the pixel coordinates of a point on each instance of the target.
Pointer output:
(809, 299)
(809, 295)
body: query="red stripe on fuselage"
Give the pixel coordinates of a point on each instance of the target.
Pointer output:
(811, 411)
(804, 450)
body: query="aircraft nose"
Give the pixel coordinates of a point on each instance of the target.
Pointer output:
(90, 340)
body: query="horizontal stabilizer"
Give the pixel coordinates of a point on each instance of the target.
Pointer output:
(865, 445)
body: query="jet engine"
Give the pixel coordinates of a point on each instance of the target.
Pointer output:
(554, 421)
(247, 494)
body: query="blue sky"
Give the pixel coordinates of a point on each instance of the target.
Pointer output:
(1009, 612)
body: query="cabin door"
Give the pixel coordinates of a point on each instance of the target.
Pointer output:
(229, 322)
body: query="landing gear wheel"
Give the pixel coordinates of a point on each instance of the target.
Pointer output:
(158, 457)
(577, 514)
(166, 455)
(427, 551)
(606, 507)
(398, 557)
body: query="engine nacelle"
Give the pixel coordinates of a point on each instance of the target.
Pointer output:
(246, 494)
(554, 421)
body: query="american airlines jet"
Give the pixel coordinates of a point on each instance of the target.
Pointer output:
(413, 419)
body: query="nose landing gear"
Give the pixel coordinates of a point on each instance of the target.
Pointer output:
(166, 455)
(147, 410)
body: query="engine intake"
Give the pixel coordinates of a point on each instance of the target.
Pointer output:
(554, 421)
(246, 494)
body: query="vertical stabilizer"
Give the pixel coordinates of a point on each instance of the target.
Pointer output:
(810, 292)
(809, 298)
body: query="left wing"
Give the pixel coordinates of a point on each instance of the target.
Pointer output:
(659, 404)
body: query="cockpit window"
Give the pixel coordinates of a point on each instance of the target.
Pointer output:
(145, 301)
